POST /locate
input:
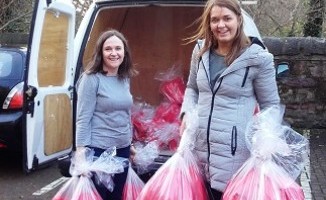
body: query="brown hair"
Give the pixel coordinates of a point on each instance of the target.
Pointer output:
(96, 64)
(204, 32)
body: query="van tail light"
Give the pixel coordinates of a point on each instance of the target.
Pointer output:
(14, 99)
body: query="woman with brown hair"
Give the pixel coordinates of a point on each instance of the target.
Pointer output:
(104, 104)
(229, 74)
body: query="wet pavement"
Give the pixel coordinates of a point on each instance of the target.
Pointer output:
(313, 178)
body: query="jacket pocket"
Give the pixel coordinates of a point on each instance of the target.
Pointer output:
(234, 140)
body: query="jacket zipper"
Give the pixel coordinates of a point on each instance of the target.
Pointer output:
(245, 77)
(210, 113)
(234, 140)
(234, 128)
(209, 121)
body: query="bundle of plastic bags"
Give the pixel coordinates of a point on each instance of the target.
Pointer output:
(179, 177)
(161, 123)
(142, 119)
(84, 165)
(278, 155)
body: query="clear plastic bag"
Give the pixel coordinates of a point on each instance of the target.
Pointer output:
(85, 190)
(67, 190)
(133, 186)
(106, 166)
(278, 155)
(172, 85)
(179, 177)
(160, 124)
(83, 166)
(145, 156)
(142, 116)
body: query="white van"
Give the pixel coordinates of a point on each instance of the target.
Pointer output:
(56, 56)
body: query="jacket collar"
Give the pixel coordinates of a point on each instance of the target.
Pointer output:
(248, 58)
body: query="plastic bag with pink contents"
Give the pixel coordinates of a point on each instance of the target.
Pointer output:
(278, 155)
(180, 177)
(142, 119)
(84, 165)
(172, 84)
(133, 186)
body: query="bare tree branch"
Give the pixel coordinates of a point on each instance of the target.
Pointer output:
(14, 19)
(5, 7)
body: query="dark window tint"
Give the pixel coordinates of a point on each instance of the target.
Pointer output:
(11, 65)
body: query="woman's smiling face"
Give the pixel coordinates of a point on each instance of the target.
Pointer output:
(224, 25)
(113, 55)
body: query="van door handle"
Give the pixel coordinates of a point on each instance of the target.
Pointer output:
(31, 92)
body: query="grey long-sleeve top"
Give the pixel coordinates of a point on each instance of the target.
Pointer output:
(103, 112)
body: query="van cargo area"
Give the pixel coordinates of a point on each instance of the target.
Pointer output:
(156, 36)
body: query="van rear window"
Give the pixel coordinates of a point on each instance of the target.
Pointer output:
(11, 65)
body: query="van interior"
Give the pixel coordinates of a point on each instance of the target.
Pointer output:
(156, 35)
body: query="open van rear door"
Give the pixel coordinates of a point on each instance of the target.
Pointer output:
(48, 91)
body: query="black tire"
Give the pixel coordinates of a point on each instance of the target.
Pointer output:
(64, 165)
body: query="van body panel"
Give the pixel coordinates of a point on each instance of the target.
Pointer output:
(49, 74)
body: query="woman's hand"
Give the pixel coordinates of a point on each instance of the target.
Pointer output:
(81, 160)
(80, 154)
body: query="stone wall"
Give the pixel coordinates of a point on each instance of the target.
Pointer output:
(303, 91)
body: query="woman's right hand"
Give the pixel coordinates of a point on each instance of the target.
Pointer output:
(80, 154)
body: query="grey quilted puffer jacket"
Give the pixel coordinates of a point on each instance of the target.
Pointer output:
(225, 111)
